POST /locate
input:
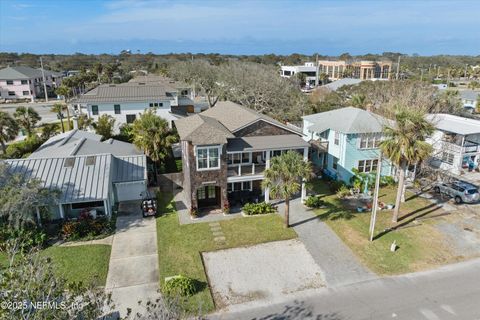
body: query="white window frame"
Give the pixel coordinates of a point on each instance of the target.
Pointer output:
(231, 186)
(372, 141)
(219, 148)
(447, 156)
(240, 154)
(336, 138)
(367, 163)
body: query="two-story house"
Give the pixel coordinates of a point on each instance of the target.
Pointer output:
(344, 139)
(23, 82)
(456, 142)
(225, 151)
(126, 101)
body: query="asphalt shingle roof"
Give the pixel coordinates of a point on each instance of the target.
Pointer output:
(23, 72)
(347, 120)
(266, 142)
(201, 130)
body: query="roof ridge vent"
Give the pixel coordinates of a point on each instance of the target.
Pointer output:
(65, 140)
(77, 146)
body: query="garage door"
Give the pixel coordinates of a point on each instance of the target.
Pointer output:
(130, 190)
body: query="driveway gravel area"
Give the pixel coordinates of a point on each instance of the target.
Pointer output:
(264, 272)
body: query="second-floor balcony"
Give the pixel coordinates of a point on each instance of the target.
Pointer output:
(470, 147)
(245, 170)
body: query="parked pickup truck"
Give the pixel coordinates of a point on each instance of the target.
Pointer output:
(460, 191)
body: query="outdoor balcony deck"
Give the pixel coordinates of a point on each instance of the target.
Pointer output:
(245, 170)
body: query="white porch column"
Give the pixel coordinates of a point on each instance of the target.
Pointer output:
(267, 166)
(107, 208)
(38, 216)
(304, 189)
(62, 214)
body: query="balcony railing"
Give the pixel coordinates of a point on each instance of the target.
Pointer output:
(245, 170)
(471, 148)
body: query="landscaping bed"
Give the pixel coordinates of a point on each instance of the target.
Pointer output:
(420, 245)
(180, 246)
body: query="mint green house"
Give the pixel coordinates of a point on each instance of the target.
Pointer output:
(344, 139)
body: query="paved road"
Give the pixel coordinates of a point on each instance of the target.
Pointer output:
(133, 268)
(451, 292)
(339, 264)
(43, 109)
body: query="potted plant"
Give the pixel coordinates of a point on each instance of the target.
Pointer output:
(226, 207)
(193, 212)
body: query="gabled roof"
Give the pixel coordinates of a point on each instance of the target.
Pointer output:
(202, 130)
(125, 92)
(23, 72)
(150, 78)
(78, 182)
(455, 124)
(266, 142)
(79, 142)
(347, 120)
(235, 117)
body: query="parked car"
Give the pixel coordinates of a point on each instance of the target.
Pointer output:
(460, 191)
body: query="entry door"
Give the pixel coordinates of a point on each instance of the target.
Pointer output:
(208, 196)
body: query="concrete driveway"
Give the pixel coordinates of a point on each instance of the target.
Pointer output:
(133, 269)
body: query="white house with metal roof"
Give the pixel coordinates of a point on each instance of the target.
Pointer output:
(90, 174)
(344, 139)
(456, 143)
(21, 82)
(470, 99)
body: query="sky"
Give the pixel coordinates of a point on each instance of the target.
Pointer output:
(425, 27)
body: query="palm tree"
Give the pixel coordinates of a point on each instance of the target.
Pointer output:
(359, 101)
(48, 130)
(284, 177)
(27, 118)
(405, 145)
(65, 92)
(152, 134)
(58, 108)
(8, 129)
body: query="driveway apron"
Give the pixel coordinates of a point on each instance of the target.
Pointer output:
(339, 264)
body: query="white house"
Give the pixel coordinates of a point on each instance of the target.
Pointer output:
(126, 101)
(456, 142)
(308, 69)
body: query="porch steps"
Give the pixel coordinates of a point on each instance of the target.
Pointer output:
(217, 232)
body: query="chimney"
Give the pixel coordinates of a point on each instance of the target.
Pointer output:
(75, 123)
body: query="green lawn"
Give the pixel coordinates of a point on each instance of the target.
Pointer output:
(77, 263)
(81, 263)
(179, 246)
(421, 246)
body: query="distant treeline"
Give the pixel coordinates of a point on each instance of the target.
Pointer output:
(442, 65)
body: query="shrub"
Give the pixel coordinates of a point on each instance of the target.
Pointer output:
(387, 181)
(336, 185)
(314, 202)
(88, 227)
(343, 191)
(251, 209)
(180, 285)
(28, 238)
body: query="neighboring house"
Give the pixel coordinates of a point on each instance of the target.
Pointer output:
(456, 142)
(90, 174)
(335, 85)
(309, 70)
(470, 99)
(344, 139)
(26, 83)
(126, 101)
(225, 151)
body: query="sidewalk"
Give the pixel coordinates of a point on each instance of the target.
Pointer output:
(133, 269)
(339, 264)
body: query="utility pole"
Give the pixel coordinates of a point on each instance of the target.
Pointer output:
(465, 76)
(316, 71)
(44, 80)
(398, 68)
(373, 218)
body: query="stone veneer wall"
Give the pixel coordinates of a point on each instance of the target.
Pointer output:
(194, 179)
(261, 128)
